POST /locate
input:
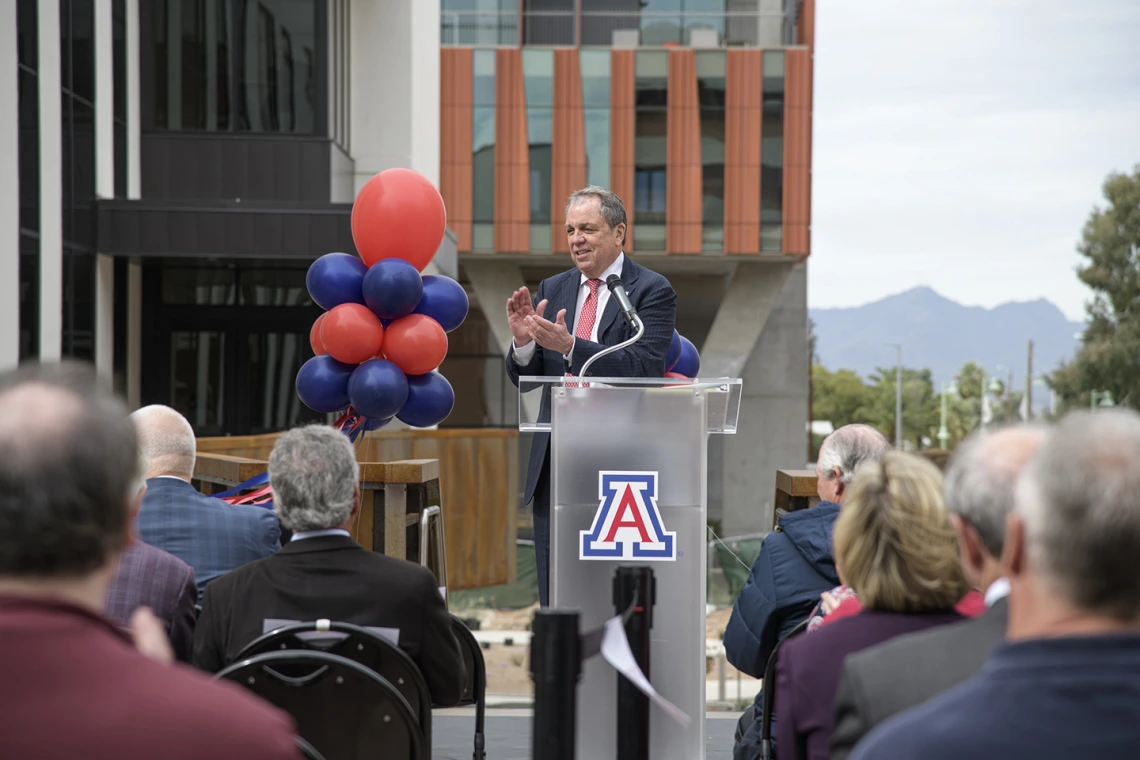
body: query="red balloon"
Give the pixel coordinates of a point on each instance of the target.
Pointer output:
(351, 333)
(416, 344)
(398, 214)
(315, 337)
(677, 375)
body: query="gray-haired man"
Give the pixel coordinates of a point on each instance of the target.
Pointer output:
(323, 574)
(572, 318)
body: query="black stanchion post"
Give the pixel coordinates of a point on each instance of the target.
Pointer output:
(634, 586)
(555, 665)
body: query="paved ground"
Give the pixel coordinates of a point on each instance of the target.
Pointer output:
(508, 734)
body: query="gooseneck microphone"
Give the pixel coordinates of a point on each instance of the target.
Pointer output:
(617, 289)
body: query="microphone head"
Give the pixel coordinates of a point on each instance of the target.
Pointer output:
(613, 281)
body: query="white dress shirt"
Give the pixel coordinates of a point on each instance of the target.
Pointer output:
(523, 354)
(301, 535)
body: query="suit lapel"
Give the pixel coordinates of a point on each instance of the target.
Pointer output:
(567, 299)
(629, 273)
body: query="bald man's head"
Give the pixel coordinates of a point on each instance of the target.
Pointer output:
(166, 440)
(68, 462)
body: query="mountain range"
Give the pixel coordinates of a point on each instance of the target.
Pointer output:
(942, 335)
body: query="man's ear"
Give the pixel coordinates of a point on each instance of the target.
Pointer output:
(840, 486)
(1013, 559)
(969, 542)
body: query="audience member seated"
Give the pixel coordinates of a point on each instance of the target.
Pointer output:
(208, 534)
(323, 574)
(149, 577)
(795, 564)
(896, 548)
(1066, 684)
(892, 677)
(74, 685)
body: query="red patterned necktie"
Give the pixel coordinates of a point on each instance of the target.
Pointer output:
(585, 327)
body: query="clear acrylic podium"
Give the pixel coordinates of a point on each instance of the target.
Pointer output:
(628, 487)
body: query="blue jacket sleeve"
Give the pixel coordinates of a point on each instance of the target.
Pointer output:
(754, 628)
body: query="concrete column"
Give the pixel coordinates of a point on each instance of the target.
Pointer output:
(751, 294)
(394, 86)
(51, 182)
(773, 411)
(9, 193)
(104, 183)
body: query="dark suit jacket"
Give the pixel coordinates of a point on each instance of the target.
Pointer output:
(808, 667)
(334, 578)
(896, 676)
(211, 536)
(1037, 699)
(74, 686)
(656, 304)
(150, 577)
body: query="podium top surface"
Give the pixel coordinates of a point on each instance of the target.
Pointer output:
(722, 396)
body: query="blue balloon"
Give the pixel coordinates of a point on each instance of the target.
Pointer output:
(336, 278)
(444, 300)
(674, 354)
(322, 384)
(378, 389)
(690, 362)
(430, 400)
(375, 424)
(392, 288)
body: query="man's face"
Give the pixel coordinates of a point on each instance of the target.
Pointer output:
(594, 244)
(829, 488)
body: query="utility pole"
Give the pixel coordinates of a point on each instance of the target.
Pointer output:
(1029, 385)
(1009, 399)
(898, 397)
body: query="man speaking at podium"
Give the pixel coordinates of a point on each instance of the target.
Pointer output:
(572, 318)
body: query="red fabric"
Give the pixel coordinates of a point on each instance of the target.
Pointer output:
(585, 327)
(74, 686)
(973, 604)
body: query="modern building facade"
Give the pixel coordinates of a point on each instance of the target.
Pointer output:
(697, 113)
(181, 162)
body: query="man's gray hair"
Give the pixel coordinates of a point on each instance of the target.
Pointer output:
(849, 447)
(981, 478)
(611, 206)
(313, 473)
(1079, 499)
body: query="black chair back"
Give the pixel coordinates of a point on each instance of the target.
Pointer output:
(475, 689)
(343, 709)
(359, 645)
(769, 687)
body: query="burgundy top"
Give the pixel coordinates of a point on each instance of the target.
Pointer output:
(809, 667)
(74, 686)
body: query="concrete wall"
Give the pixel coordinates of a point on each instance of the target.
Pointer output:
(773, 417)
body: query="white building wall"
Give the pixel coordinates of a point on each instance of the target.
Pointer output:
(9, 192)
(51, 181)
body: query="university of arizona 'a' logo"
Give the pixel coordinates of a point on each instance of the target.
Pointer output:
(628, 524)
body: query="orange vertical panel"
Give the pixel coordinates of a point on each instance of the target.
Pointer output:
(455, 159)
(805, 25)
(797, 151)
(743, 104)
(568, 153)
(512, 173)
(623, 116)
(683, 156)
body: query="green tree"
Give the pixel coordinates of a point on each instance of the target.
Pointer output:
(969, 380)
(839, 397)
(1109, 357)
(920, 406)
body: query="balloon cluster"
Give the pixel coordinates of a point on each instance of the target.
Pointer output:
(384, 330)
(682, 361)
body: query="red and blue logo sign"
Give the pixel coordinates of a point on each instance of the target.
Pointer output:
(628, 523)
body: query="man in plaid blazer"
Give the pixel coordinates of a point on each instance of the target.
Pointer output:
(572, 318)
(150, 577)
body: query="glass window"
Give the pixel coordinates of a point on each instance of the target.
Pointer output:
(595, 68)
(549, 22)
(479, 22)
(77, 48)
(710, 92)
(27, 44)
(78, 337)
(29, 149)
(29, 296)
(200, 286)
(650, 150)
(198, 373)
(483, 151)
(268, 48)
(538, 76)
(273, 287)
(274, 359)
(772, 153)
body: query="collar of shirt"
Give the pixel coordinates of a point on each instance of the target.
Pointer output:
(614, 268)
(999, 589)
(301, 535)
(168, 477)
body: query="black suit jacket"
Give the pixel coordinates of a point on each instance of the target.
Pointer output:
(903, 673)
(334, 578)
(656, 304)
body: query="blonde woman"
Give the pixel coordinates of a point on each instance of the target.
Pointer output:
(897, 550)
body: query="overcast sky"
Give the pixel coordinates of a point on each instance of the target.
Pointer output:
(961, 144)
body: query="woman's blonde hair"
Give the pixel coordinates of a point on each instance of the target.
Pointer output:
(894, 543)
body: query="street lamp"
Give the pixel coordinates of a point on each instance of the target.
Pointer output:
(898, 396)
(943, 433)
